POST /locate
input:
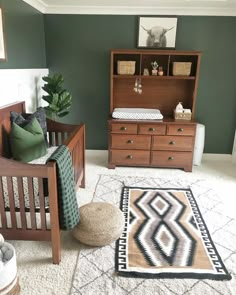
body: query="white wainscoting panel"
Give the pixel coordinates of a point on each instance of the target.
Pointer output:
(22, 85)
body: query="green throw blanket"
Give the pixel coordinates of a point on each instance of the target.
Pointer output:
(68, 207)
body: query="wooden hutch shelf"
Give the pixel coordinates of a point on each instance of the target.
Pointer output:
(154, 77)
(154, 143)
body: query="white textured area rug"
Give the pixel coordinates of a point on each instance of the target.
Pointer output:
(95, 269)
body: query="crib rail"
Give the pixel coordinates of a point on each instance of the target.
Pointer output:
(19, 217)
(74, 137)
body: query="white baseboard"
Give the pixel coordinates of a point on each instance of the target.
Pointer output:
(217, 157)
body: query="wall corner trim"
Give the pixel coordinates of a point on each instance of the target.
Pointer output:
(131, 9)
(37, 4)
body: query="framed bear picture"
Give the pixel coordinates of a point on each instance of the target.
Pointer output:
(157, 32)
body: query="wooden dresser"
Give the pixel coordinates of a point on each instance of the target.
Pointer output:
(154, 143)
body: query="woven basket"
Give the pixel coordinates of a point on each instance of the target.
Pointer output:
(126, 67)
(182, 116)
(12, 289)
(181, 68)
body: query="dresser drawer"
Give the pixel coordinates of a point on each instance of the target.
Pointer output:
(171, 159)
(174, 143)
(152, 129)
(129, 141)
(181, 129)
(124, 128)
(130, 157)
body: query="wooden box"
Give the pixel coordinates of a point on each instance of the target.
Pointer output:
(182, 116)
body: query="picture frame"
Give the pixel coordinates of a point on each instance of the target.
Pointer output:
(157, 32)
(2, 38)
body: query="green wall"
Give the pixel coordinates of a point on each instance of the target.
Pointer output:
(78, 47)
(24, 36)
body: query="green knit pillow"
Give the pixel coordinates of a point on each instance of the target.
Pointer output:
(27, 143)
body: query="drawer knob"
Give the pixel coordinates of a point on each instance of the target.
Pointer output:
(180, 129)
(172, 142)
(123, 128)
(171, 158)
(130, 141)
(129, 157)
(152, 129)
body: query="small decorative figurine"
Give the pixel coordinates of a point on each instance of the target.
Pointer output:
(146, 72)
(160, 71)
(154, 68)
(179, 108)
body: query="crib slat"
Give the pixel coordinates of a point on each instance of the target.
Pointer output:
(2, 206)
(31, 202)
(64, 137)
(11, 201)
(50, 139)
(21, 202)
(42, 204)
(57, 138)
(77, 158)
(76, 161)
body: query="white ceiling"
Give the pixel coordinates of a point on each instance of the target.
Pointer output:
(136, 7)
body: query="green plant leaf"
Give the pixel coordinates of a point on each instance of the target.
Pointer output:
(55, 99)
(46, 78)
(63, 114)
(47, 98)
(59, 99)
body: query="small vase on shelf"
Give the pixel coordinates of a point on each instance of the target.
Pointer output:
(154, 72)
(160, 71)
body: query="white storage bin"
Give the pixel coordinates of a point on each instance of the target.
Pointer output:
(199, 145)
(8, 268)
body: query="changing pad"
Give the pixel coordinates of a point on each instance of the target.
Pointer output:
(137, 114)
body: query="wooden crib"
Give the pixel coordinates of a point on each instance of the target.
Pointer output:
(44, 221)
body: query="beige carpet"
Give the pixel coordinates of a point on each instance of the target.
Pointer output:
(95, 272)
(36, 272)
(39, 276)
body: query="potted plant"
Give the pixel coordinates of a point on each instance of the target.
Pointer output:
(154, 68)
(58, 98)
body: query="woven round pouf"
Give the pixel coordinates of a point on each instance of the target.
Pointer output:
(100, 224)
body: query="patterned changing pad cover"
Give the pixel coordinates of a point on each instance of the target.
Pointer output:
(137, 114)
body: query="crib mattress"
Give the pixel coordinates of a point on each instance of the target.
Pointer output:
(137, 114)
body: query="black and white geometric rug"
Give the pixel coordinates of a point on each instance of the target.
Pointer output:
(165, 236)
(95, 270)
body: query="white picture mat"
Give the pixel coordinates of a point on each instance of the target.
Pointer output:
(165, 22)
(2, 46)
